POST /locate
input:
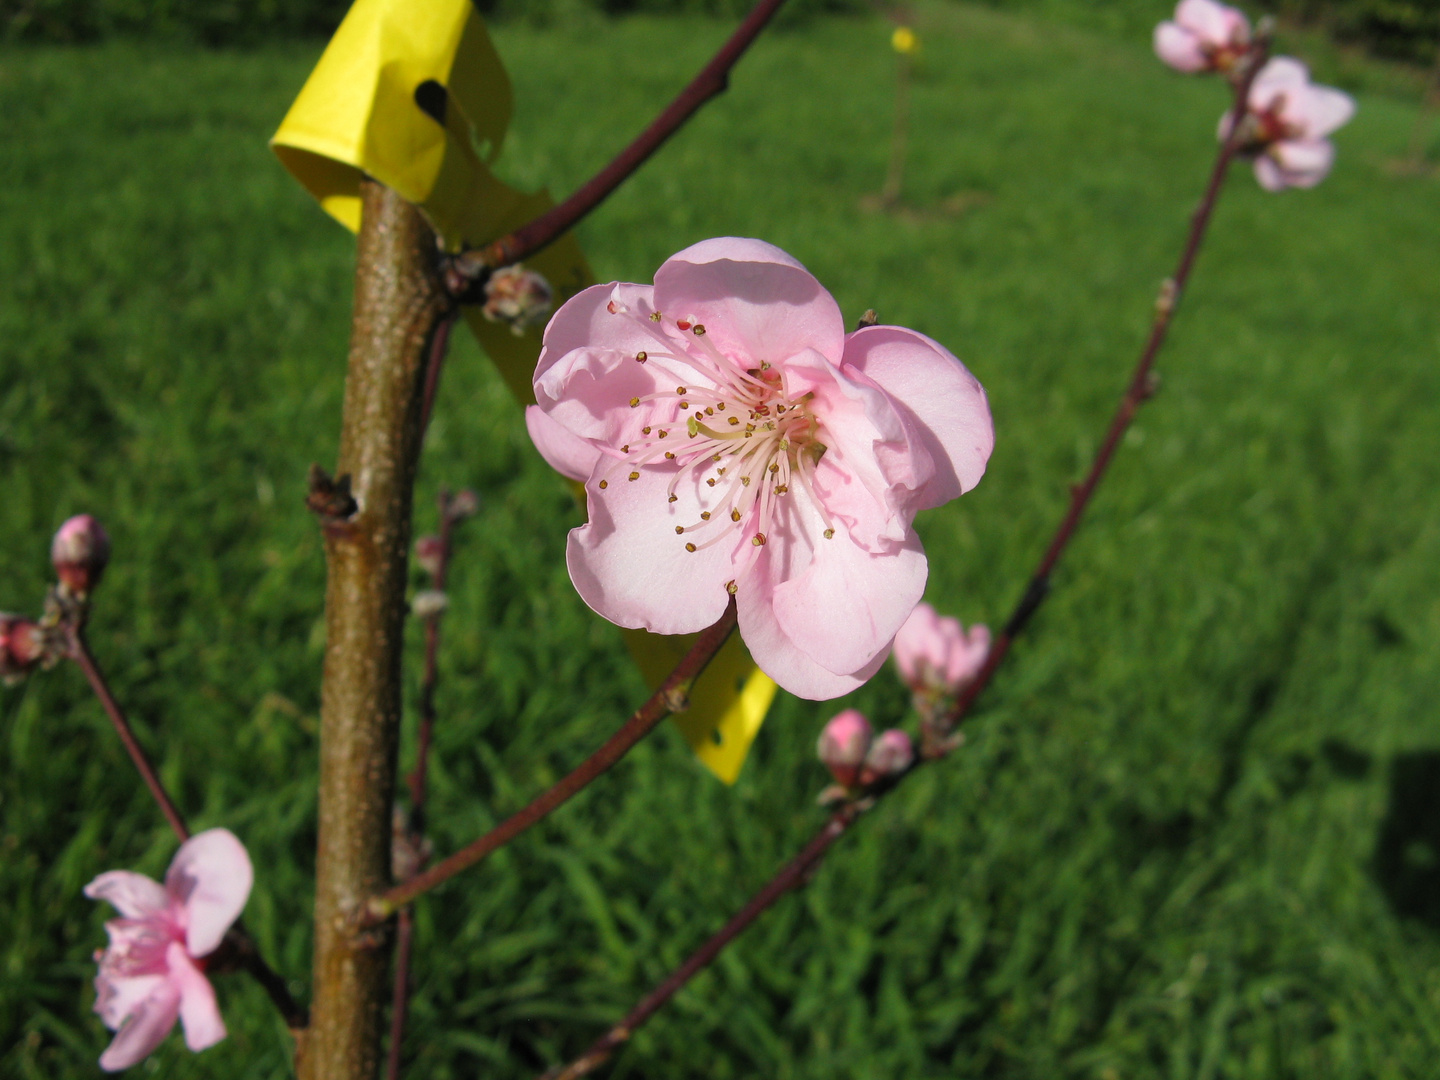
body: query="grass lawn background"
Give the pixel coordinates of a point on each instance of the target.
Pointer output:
(1196, 829)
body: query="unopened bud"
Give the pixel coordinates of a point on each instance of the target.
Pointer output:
(518, 297)
(429, 603)
(79, 553)
(843, 744)
(22, 646)
(890, 755)
(409, 852)
(462, 505)
(428, 553)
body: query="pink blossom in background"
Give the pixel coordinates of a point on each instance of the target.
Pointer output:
(843, 744)
(733, 439)
(1204, 36)
(153, 972)
(1287, 123)
(936, 655)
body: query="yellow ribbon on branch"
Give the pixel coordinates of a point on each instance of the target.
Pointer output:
(416, 97)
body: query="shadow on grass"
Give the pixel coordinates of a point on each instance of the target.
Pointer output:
(1407, 849)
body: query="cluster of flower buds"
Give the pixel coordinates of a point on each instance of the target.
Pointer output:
(859, 759)
(1288, 118)
(937, 658)
(79, 553)
(518, 297)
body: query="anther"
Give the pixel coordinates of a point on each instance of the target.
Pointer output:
(645, 430)
(604, 484)
(758, 540)
(829, 534)
(674, 498)
(781, 489)
(704, 515)
(683, 324)
(610, 307)
(689, 547)
(679, 529)
(684, 404)
(641, 356)
(735, 515)
(699, 330)
(634, 476)
(774, 466)
(680, 391)
(634, 402)
(663, 433)
(709, 411)
(655, 316)
(719, 405)
(734, 420)
(625, 449)
(711, 481)
(731, 588)
(669, 456)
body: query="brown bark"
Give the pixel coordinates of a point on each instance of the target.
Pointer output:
(398, 300)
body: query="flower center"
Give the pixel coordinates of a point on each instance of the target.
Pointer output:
(730, 426)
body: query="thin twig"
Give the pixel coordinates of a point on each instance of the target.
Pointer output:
(415, 826)
(712, 80)
(80, 653)
(667, 699)
(798, 870)
(238, 938)
(439, 347)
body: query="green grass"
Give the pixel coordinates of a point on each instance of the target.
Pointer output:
(1195, 830)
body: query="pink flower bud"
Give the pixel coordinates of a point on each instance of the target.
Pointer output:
(518, 297)
(79, 553)
(843, 744)
(890, 755)
(936, 655)
(428, 550)
(22, 645)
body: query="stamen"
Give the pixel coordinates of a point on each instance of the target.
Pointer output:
(655, 316)
(679, 529)
(634, 476)
(604, 484)
(641, 356)
(758, 540)
(690, 547)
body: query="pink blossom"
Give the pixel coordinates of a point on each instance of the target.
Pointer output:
(843, 744)
(154, 970)
(1205, 36)
(734, 440)
(936, 655)
(79, 553)
(1287, 123)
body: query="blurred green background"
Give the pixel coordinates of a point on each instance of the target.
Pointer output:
(1196, 829)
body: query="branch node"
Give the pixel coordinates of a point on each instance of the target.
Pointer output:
(329, 498)
(677, 699)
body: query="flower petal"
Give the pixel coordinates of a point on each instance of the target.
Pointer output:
(1180, 48)
(1304, 162)
(777, 655)
(566, 453)
(145, 1029)
(945, 403)
(210, 878)
(119, 997)
(134, 895)
(199, 1013)
(1269, 174)
(632, 568)
(1320, 111)
(847, 606)
(1215, 23)
(585, 322)
(755, 301)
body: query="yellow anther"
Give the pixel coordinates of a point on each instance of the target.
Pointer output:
(704, 515)
(734, 420)
(689, 547)
(655, 316)
(634, 476)
(674, 498)
(758, 540)
(679, 529)
(604, 484)
(634, 402)
(735, 515)
(829, 534)
(642, 356)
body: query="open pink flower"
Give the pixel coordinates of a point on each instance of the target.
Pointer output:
(733, 439)
(1205, 36)
(936, 655)
(153, 973)
(1287, 123)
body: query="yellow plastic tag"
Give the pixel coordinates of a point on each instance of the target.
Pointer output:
(416, 97)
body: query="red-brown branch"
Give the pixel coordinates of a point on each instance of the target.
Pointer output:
(667, 699)
(712, 80)
(798, 870)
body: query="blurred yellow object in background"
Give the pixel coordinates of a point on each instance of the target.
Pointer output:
(904, 40)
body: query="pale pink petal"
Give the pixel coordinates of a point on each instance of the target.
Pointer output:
(848, 604)
(199, 1013)
(1269, 173)
(588, 392)
(756, 302)
(1304, 163)
(945, 402)
(567, 454)
(133, 895)
(1180, 48)
(1283, 75)
(631, 567)
(146, 1028)
(1320, 111)
(210, 877)
(1215, 23)
(916, 643)
(116, 998)
(781, 658)
(585, 322)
